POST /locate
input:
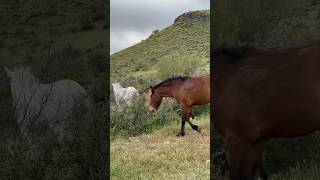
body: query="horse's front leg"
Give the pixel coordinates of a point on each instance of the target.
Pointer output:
(245, 159)
(185, 116)
(264, 175)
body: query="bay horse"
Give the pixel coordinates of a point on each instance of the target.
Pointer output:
(260, 94)
(187, 91)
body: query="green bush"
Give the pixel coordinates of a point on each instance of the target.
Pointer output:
(176, 65)
(136, 119)
(81, 153)
(86, 23)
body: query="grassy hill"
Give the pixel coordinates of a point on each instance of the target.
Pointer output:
(187, 38)
(29, 28)
(58, 39)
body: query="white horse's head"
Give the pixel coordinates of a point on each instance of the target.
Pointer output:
(21, 79)
(21, 74)
(116, 85)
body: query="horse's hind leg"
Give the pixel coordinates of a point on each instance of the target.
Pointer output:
(193, 126)
(192, 115)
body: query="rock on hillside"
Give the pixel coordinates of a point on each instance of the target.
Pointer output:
(192, 16)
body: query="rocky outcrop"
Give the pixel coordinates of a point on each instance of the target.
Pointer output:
(192, 16)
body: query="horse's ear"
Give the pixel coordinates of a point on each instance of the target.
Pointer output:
(8, 71)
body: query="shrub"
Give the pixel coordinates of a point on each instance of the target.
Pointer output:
(86, 23)
(2, 44)
(73, 29)
(176, 65)
(136, 119)
(19, 32)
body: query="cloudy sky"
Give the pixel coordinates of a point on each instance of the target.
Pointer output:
(134, 20)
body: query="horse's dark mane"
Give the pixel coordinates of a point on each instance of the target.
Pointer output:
(235, 53)
(180, 78)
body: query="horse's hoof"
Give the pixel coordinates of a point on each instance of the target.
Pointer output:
(180, 134)
(197, 128)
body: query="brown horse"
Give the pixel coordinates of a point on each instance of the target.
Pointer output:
(260, 94)
(187, 91)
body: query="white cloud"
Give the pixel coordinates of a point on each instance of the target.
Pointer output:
(126, 38)
(134, 20)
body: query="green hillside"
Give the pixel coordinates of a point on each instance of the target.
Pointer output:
(57, 39)
(187, 38)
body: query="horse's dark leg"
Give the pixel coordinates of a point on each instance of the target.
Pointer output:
(194, 127)
(263, 171)
(185, 116)
(245, 159)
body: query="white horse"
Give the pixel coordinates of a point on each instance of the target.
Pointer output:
(37, 104)
(123, 95)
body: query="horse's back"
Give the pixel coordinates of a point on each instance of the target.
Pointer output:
(69, 86)
(196, 90)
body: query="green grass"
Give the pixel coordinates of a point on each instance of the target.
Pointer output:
(182, 40)
(50, 37)
(310, 171)
(30, 28)
(162, 155)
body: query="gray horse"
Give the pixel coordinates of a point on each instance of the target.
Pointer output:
(36, 103)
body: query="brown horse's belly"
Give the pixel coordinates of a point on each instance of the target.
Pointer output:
(292, 126)
(292, 131)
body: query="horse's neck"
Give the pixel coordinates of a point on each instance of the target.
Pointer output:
(166, 91)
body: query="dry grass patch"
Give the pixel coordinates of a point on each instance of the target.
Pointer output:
(162, 155)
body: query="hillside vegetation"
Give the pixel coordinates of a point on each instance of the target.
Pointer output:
(57, 39)
(185, 41)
